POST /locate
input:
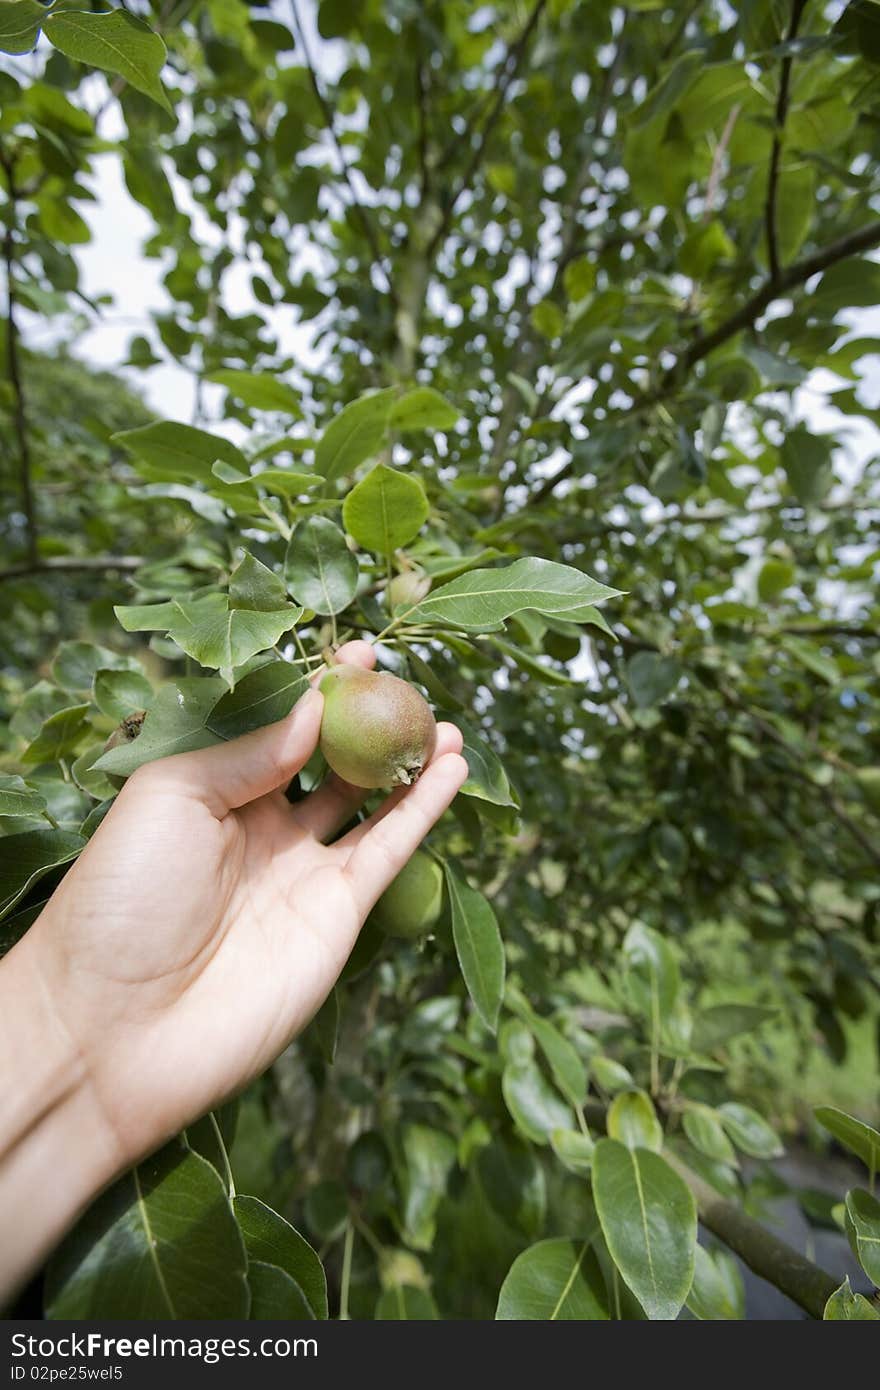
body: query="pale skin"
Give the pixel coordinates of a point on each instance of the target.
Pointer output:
(198, 933)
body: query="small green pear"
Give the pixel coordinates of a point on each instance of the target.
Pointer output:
(408, 589)
(377, 730)
(410, 905)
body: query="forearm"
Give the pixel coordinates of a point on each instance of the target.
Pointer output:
(56, 1150)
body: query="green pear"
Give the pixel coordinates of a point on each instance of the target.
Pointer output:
(410, 905)
(377, 730)
(408, 589)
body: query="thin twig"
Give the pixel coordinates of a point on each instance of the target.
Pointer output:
(422, 135)
(797, 10)
(714, 183)
(14, 366)
(66, 564)
(359, 210)
(795, 276)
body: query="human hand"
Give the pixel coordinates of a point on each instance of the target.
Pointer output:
(208, 918)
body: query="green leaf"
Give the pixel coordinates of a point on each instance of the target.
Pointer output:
(18, 799)
(608, 1074)
(253, 585)
(579, 278)
(162, 1241)
(854, 1134)
(355, 434)
(168, 452)
(76, 664)
(652, 974)
(121, 693)
(320, 570)
(564, 1062)
(61, 222)
(28, 856)
(716, 1025)
(533, 664)
(795, 206)
(846, 1306)
(633, 1121)
(58, 737)
(652, 678)
(480, 600)
(806, 458)
(114, 41)
(573, 1149)
(274, 1295)
(262, 697)
(271, 1240)
(405, 1303)
(717, 1291)
(705, 1130)
(555, 1280)
(512, 1179)
(811, 657)
(478, 946)
(850, 284)
(20, 25)
(386, 510)
(749, 1131)
(863, 1231)
(649, 1220)
(427, 1159)
(176, 723)
(258, 390)
(486, 779)
(548, 319)
(422, 409)
(95, 784)
(535, 1105)
(210, 631)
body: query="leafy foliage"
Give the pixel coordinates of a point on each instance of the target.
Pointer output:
(566, 273)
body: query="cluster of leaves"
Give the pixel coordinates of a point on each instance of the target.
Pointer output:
(673, 823)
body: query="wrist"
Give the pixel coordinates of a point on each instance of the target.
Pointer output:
(56, 1148)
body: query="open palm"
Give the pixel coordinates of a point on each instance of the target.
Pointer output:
(208, 918)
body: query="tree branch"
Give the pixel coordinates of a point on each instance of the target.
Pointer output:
(422, 110)
(359, 210)
(863, 239)
(65, 564)
(14, 365)
(793, 278)
(797, 10)
(718, 160)
(507, 70)
(765, 1254)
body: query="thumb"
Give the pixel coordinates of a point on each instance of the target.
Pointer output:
(228, 775)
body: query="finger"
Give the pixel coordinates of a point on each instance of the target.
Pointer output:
(352, 654)
(335, 802)
(381, 853)
(231, 774)
(449, 740)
